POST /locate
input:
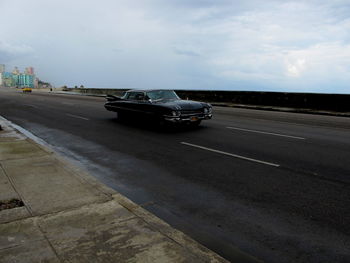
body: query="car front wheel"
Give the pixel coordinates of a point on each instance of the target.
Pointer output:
(195, 123)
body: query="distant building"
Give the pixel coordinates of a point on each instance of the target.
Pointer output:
(16, 78)
(15, 71)
(25, 80)
(29, 71)
(43, 85)
(2, 70)
(7, 79)
(36, 83)
(20, 80)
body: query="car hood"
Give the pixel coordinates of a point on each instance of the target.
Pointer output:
(181, 104)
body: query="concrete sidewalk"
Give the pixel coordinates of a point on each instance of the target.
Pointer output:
(68, 216)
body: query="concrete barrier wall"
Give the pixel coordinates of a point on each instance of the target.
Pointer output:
(116, 92)
(315, 101)
(331, 102)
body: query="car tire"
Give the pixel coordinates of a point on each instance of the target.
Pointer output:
(118, 115)
(195, 123)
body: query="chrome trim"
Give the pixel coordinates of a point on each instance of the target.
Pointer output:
(181, 119)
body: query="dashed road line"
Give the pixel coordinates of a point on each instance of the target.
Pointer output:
(32, 106)
(230, 154)
(269, 133)
(76, 116)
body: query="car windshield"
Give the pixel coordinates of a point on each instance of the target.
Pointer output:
(162, 95)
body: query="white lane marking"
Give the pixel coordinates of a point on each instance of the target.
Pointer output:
(269, 133)
(230, 154)
(30, 105)
(76, 116)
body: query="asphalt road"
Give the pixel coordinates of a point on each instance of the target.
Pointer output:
(273, 185)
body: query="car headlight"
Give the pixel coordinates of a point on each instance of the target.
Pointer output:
(207, 110)
(175, 113)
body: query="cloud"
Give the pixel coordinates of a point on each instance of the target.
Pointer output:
(326, 60)
(223, 44)
(184, 52)
(295, 68)
(10, 51)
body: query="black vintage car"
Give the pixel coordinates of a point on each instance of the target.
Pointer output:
(164, 106)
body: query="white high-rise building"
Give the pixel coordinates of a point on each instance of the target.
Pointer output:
(2, 69)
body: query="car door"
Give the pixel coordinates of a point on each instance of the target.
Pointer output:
(124, 105)
(144, 105)
(133, 102)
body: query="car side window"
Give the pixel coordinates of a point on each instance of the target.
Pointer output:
(131, 96)
(140, 96)
(136, 96)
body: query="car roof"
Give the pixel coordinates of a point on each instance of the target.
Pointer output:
(147, 90)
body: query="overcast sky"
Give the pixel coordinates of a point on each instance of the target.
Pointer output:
(299, 46)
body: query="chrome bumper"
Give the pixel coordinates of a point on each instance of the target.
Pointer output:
(182, 119)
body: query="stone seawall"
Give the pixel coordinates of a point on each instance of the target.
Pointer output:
(314, 101)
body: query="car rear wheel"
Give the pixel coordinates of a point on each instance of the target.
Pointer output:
(119, 115)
